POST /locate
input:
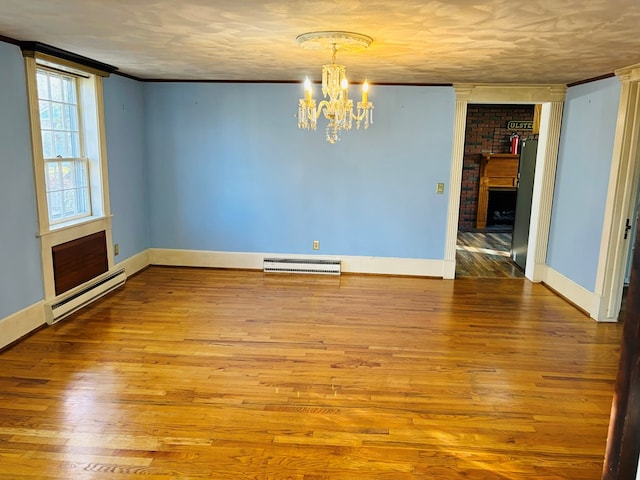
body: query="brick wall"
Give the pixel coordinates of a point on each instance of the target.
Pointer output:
(486, 132)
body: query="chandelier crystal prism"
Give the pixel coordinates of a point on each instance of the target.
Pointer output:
(337, 107)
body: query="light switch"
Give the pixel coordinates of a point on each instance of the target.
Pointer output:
(440, 188)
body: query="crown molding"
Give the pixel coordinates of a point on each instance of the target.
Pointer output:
(48, 52)
(509, 93)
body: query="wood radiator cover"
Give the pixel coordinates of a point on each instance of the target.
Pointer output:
(78, 261)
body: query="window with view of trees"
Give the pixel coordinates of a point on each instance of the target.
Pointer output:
(65, 93)
(66, 167)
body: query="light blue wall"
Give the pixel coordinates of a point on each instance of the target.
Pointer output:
(20, 265)
(230, 171)
(124, 125)
(584, 161)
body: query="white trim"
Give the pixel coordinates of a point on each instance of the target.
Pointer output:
(449, 269)
(509, 93)
(205, 258)
(543, 188)
(254, 261)
(36, 143)
(19, 324)
(56, 237)
(576, 294)
(102, 139)
(81, 223)
(393, 266)
(134, 264)
(455, 182)
(621, 195)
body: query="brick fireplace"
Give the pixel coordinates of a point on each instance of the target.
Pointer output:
(486, 131)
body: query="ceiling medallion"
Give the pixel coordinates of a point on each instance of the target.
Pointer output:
(346, 41)
(336, 107)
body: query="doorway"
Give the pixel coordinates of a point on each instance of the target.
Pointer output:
(551, 97)
(621, 204)
(487, 212)
(632, 228)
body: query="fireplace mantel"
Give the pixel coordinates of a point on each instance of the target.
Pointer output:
(498, 171)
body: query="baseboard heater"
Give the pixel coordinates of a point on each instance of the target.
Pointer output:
(64, 307)
(302, 265)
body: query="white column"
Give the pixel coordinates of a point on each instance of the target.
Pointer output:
(455, 183)
(543, 186)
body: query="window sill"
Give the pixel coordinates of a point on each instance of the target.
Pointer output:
(76, 224)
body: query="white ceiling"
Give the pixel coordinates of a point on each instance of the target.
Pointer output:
(489, 41)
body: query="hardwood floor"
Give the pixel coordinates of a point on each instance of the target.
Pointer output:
(486, 255)
(199, 373)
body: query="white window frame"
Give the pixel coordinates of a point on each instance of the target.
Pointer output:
(81, 190)
(93, 145)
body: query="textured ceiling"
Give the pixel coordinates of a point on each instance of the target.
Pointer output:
(534, 41)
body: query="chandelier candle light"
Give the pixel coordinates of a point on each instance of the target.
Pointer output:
(336, 107)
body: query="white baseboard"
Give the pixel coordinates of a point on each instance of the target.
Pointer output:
(576, 294)
(449, 269)
(253, 261)
(393, 266)
(19, 324)
(134, 263)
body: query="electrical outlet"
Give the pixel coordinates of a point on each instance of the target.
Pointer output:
(116, 249)
(316, 244)
(440, 188)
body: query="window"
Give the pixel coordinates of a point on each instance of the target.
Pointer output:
(66, 168)
(69, 150)
(68, 139)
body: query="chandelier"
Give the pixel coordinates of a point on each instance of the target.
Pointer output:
(337, 107)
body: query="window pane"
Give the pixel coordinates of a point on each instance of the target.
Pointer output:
(68, 146)
(47, 144)
(83, 200)
(70, 203)
(67, 179)
(75, 145)
(60, 144)
(43, 85)
(55, 205)
(72, 117)
(56, 87)
(57, 116)
(45, 115)
(81, 173)
(53, 176)
(69, 90)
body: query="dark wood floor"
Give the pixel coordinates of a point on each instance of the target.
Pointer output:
(485, 255)
(214, 374)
